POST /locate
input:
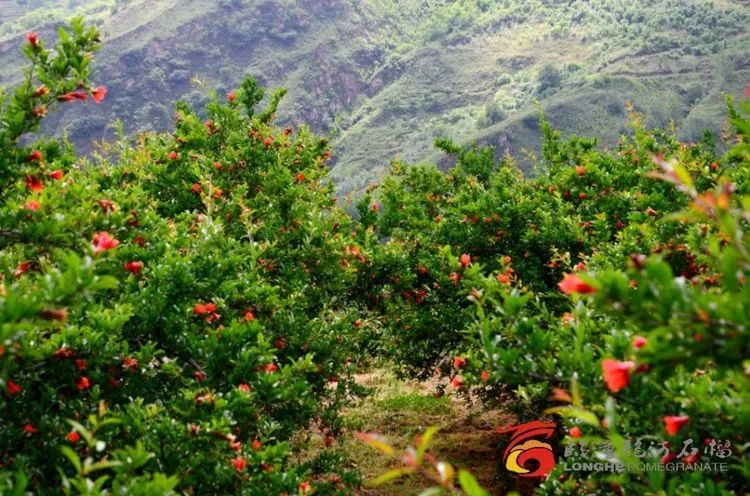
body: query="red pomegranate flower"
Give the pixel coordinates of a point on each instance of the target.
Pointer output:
(580, 170)
(33, 205)
(244, 388)
(457, 382)
(300, 177)
(32, 39)
(257, 444)
(270, 368)
(616, 374)
(103, 241)
(669, 457)
(13, 388)
(204, 308)
(130, 364)
(231, 96)
(73, 437)
(63, 353)
(575, 432)
(639, 342)
(459, 362)
(571, 283)
(239, 464)
(40, 92)
(134, 267)
(22, 268)
(73, 95)
(485, 376)
(465, 260)
(98, 94)
(107, 206)
(34, 184)
(674, 424)
(57, 174)
(200, 376)
(83, 383)
(30, 429)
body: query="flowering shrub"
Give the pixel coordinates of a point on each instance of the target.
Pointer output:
(593, 291)
(173, 311)
(443, 228)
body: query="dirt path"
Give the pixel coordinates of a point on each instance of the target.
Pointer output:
(401, 410)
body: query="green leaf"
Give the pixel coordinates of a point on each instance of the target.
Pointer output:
(71, 455)
(102, 465)
(470, 485)
(19, 487)
(378, 442)
(391, 475)
(425, 443)
(575, 412)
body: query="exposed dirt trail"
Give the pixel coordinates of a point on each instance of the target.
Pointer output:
(400, 410)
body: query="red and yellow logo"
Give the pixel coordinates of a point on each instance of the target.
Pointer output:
(525, 447)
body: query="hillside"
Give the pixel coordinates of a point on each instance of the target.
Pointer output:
(386, 77)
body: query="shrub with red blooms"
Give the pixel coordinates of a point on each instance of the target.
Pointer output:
(609, 292)
(138, 319)
(52, 75)
(446, 228)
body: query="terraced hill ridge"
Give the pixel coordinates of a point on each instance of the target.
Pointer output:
(387, 77)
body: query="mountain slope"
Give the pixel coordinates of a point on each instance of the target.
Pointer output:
(386, 77)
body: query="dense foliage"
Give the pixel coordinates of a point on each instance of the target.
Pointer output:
(608, 289)
(180, 312)
(173, 311)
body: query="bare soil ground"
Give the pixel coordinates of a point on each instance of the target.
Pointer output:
(401, 410)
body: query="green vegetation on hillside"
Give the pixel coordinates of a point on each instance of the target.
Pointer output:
(387, 77)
